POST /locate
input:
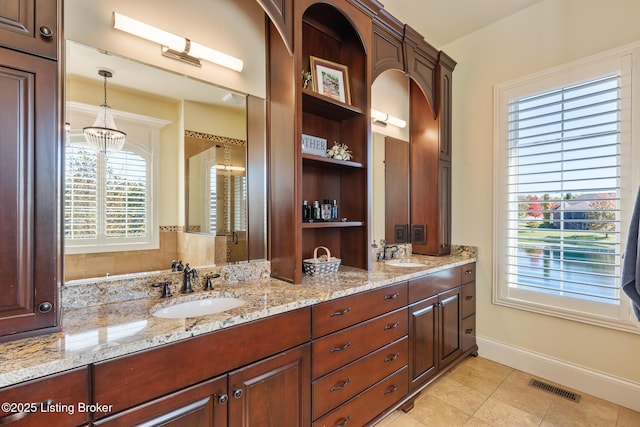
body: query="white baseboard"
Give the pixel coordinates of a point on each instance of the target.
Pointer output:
(595, 383)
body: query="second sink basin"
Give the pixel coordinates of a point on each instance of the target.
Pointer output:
(197, 308)
(403, 263)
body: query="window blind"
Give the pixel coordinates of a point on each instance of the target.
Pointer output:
(563, 208)
(80, 196)
(106, 196)
(125, 195)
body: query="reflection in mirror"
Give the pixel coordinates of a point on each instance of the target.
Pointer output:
(217, 192)
(390, 157)
(159, 111)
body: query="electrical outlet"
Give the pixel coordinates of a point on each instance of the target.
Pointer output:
(419, 234)
(401, 231)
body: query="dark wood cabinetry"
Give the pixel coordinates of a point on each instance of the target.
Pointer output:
(56, 400)
(30, 26)
(440, 303)
(234, 386)
(30, 180)
(359, 355)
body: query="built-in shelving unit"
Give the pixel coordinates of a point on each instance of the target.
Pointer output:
(339, 32)
(328, 34)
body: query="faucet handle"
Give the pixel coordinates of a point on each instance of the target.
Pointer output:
(209, 286)
(166, 290)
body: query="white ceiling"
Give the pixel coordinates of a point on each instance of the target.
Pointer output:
(443, 21)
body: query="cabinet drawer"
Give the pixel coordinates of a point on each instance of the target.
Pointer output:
(468, 273)
(68, 392)
(130, 380)
(340, 348)
(337, 314)
(432, 284)
(339, 386)
(468, 332)
(468, 299)
(194, 406)
(362, 409)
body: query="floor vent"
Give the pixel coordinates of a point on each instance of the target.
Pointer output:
(574, 397)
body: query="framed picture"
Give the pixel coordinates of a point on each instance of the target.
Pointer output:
(330, 79)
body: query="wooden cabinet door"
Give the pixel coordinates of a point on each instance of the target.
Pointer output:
(30, 26)
(450, 326)
(423, 341)
(30, 246)
(274, 392)
(202, 405)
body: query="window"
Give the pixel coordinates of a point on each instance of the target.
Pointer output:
(562, 190)
(107, 198)
(110, 199)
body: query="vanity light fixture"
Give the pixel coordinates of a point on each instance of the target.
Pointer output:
(230, 168)
(175, 47)
(103, 135)
(386, 119)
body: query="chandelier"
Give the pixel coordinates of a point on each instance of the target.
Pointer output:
(103, 135)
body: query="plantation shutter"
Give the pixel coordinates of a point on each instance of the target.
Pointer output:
(126, 195)
(81, 194)
(563, 208)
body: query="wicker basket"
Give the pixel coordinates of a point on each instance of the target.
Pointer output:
(324, 264)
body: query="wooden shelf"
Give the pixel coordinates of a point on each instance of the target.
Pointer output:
(324, 106)
(330, 162)
(332, 224)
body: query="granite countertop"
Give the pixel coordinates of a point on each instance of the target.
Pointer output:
(92, 333)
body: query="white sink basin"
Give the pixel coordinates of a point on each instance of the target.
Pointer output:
(197, 308)
(402, 263)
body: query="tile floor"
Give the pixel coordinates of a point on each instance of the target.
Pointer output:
(482, 393)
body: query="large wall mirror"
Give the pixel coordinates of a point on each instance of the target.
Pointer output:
(189, 183)
(390, 156)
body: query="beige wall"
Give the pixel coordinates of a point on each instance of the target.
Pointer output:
(547, 34)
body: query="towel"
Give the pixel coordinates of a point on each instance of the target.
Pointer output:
(631, 261)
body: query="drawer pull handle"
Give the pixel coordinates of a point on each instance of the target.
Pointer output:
(468, 297)
(341, 386)
(344, 347)
(391, 390)
(344, 422)
(392, 358)
(393, 296)
(392, 326)
(20, 415)
(468, 331)
(469, 272)
(340, 313)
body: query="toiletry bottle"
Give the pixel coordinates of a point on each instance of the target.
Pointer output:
(334, 209)
(306, 211)
(316, 212)
(326, 210)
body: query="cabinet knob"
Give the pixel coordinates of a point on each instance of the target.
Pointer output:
(45, 307)
(223, 398)
(45, 31)
(237, 393)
